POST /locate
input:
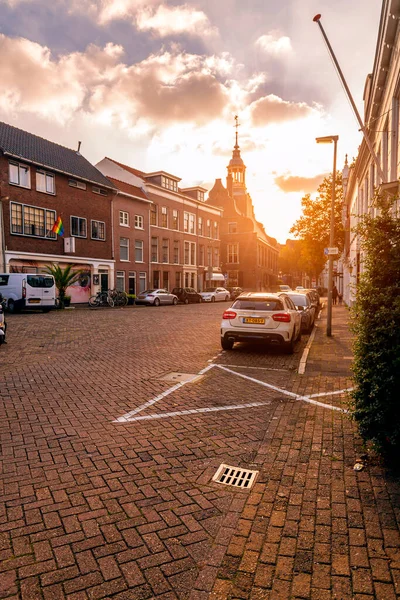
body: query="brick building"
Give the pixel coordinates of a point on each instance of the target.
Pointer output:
(184, 234)
(40, 181)
(249, 256)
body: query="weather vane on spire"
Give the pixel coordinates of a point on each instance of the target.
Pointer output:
(237, 124)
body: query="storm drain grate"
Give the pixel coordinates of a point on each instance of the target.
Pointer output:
(179, 377)
(242, 478)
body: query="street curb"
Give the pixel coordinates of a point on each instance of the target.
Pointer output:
(304, 356)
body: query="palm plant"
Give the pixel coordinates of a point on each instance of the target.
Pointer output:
(63, 279)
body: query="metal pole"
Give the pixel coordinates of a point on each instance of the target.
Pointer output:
(331, 242)
(316, 19)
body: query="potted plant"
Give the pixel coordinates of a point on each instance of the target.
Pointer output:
(131, 299)
(67, 301)
(63, 279)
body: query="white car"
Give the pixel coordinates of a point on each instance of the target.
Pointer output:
(264, 317)
(215, 294)
(156, 297)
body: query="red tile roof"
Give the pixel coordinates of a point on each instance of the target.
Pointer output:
(127, 188)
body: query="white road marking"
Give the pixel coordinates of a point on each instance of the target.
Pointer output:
(194, 411)
(257, 368)
(303, 360)
(331, 393)
(139, 409)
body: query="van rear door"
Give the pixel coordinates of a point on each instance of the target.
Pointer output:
(40, 290)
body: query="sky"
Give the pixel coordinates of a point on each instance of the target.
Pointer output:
(156, 85)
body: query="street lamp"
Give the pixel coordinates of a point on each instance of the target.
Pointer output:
(328, 139)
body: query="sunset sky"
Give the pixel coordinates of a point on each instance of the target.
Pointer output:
(156, 85)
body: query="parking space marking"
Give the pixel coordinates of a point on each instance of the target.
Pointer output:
(257, 368)
(194, 411)
(303, 360)
(175, 387)
(287, 393)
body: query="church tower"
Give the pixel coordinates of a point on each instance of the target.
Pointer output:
(236, 178)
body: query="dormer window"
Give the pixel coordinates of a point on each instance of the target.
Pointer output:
(200, 196)
(169, 184)
(19, 174)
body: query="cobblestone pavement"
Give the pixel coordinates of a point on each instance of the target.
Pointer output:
(105, 494)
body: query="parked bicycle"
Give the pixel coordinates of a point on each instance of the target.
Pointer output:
(120, 298)
(101, 299)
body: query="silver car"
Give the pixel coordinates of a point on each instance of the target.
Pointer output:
(156, 297)
(215, 294)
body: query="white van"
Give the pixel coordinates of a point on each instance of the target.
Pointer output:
(25, 290)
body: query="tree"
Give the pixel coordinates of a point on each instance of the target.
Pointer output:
(313, 227)
(376, 324)
(63, 279)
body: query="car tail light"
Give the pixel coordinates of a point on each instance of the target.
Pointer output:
(23, 289)
(150, 295)
(282, 317)
(229, 314)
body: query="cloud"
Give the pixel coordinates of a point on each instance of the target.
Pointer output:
(274, 44)
(165, 20)
(272, 109)
(294, 183)
(170, 86)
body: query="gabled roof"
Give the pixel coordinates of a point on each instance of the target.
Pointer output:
(22, 145)
(131, 190)
(129, 169)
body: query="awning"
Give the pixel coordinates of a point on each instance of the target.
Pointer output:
(215, 277)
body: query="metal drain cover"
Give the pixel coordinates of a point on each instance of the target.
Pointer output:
(242, 478)
(179, 377)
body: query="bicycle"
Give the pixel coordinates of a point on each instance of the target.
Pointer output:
(101, 299)
(120, 298)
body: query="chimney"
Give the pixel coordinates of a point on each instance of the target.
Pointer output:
(79, 147)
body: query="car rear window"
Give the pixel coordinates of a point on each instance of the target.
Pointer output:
(258, 304)
(299, 299)
(40, 281)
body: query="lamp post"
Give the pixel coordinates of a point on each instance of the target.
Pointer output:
(328, 140)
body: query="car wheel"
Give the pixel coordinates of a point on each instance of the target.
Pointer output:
(226, 344)
(157, 302)
(212, 298)
(11, 306)
(298, 339)
(175, 301)
(289, 346)
(199, 300)
(226, 298)
(186, 301)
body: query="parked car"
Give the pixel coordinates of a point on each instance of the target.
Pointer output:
(302, 301)
(28, 291)
(234, 292)
(187, 295)
(215, 294)
(156, 297)
(315, 299)
(284, 288)
(258, 316)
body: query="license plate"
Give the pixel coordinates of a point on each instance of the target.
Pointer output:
(254, 320)
(34, 300)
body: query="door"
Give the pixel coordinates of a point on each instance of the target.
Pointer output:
(104, 282)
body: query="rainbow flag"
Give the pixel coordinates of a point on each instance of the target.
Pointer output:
(58, 227)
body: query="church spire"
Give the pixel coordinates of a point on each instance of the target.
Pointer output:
(236, 168)
(237, 125)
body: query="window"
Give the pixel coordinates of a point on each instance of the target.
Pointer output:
(139, 222)
(97, 190)
(176, 252)
(189, 222)
(200, 226)
(201, 258)
(165, 278)
(169, 184)
(216, 257)
(186, 221)
(233, 253)
(138, 251)
(78, 227)
(98, 230)
(45, 182)
(175, 219)
(232, 227)
(209, 256)
(190, 253)
(123, 249)
(124, 218)
(165, 251)
(142, 282)
(120, 281)
(32, 221)
(153, 214)
(78, 184)
(200, 196)
(208, 230)
(215, 230)
(20, 174)
(164, 217)
(154, 249)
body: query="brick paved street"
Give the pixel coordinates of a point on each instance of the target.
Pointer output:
(105, 494)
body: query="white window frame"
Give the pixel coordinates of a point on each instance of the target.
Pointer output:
(177, 252)
(81, 185)
(120, 275)
(121, 245)
(100, 239)
(19, 167)
(124, 218)
(139, 222)
(151, 249)
(232, 252)
(79, 219)
(139, 247)
(165, 245)
(164, 217)
(175, 219)
(47, 177)
(189, 254)
(142, 281)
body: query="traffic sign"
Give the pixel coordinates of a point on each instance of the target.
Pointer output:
(333, 251)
